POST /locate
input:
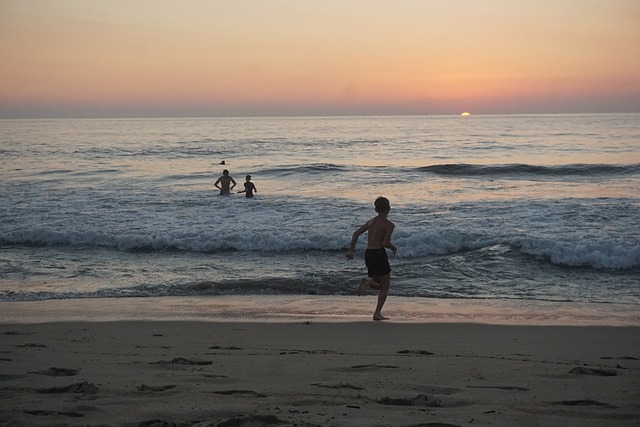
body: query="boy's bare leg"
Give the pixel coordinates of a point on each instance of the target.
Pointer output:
(362, 286)
(384, 282)
(367, 282)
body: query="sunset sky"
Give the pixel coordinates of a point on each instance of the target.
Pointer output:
(194, 58)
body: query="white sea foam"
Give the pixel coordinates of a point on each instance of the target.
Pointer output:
(602, 254)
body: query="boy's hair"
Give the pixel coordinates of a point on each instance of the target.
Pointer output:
(382, 204)
(248, 177)
(225, 172)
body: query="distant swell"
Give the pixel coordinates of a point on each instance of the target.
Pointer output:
(316, 168)
(463, 169)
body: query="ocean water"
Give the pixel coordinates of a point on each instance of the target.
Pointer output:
(514, 207)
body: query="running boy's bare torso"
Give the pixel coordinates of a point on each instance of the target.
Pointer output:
(379, 232)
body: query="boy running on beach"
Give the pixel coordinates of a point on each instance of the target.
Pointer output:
(379, 230)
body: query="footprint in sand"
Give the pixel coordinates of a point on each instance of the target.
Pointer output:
(619, 358)
(245, 393)
(215, 376)
(231, 347)
(54, 413)
(57, 372)
(252, 420)
(182, 361)
(582, 370)
(500, 387)
(583, 403)
(420, 400)
(417, 352)
(338, 386)
(83, 387)
(144, 387)
(425, 401)
(373, 367)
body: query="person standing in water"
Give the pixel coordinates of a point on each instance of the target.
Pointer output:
(225, 182)
(379, 230)
(249, 188)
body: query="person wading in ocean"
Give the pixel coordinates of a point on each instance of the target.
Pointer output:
(225, 182)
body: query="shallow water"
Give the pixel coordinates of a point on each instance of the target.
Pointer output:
(498, 207)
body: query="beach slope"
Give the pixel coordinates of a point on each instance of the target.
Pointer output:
(309, 373)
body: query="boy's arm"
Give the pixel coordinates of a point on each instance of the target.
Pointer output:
(216, 183)
(234, 184)
(387, 238)
(354, 239)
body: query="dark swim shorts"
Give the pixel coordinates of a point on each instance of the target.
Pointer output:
(377, 262)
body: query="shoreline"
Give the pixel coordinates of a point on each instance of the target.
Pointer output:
(296, 308)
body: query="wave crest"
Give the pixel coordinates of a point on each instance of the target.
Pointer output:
(516, 169)
(597, 254)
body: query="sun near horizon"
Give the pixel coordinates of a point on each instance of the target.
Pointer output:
(466, 113)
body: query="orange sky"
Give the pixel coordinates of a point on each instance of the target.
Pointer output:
(168, 58)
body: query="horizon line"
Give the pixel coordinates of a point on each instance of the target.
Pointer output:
(308, 116)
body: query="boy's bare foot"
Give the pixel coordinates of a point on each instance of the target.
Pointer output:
(362, 286)
(379, 317)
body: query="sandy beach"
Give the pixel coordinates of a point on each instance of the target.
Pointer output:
(313, 372)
